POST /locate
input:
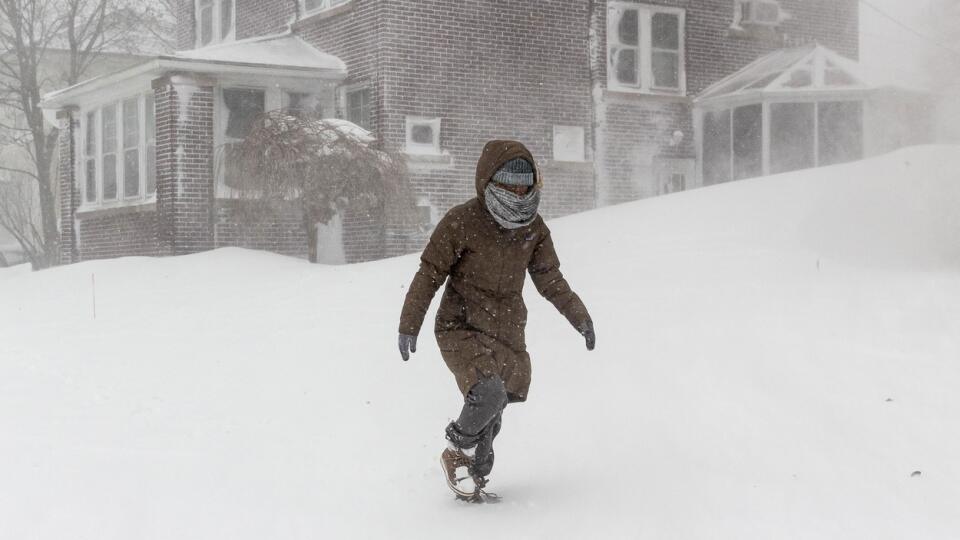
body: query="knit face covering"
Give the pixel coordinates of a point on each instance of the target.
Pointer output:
(510, 210)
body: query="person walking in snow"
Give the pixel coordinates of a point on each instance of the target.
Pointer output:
(486, 247)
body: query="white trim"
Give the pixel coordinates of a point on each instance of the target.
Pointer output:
(432, 148)
(344, 102)
(755, 4)
(107, 87)
(644, 48)
(324, 6)
(121, 199)
(216, 8)
(270, 94)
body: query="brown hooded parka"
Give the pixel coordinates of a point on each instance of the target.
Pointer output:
(481, 319)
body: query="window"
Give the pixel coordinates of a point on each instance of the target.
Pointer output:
(216, 20)
(108, 152)
(840, 132)
(673, 174)
(792, 128)
(90, 158)
(423, 135)
(302, 103)
(241, 107)
(757, 12)
(356, 106)
(131, 148)
(426, 214)
(645, 48)
(717, 144)
(119, 152)
(747, 141)
(150, 124)
(313, 6)
(568, 143)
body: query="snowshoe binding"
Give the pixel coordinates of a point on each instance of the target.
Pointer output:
(457, 465)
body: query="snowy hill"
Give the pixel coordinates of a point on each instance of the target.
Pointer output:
(776, 358)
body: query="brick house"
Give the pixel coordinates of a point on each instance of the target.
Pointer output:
(601, 91)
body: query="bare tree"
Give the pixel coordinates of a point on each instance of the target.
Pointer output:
(323, 167)
(29, 31)
(19, 206)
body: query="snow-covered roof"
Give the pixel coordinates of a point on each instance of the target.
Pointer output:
(284, 55)
(285, 50)
(810, 69)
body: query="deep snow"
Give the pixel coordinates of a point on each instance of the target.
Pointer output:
(775, 359)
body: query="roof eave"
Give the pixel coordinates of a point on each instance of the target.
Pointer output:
(162, 64)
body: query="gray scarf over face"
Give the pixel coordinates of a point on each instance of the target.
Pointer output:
(510, 210)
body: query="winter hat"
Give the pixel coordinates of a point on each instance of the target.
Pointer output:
(516, 172)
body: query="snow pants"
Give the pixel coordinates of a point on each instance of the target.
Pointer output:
(479, 422)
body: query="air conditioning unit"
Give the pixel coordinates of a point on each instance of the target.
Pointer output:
(765, 12)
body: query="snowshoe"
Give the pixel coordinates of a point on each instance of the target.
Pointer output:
(456, 469)
(465, 486)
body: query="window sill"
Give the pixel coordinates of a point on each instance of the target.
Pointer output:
(638, 95)
(429, 161)
(316, 16)
(118, 209)
(756, 32)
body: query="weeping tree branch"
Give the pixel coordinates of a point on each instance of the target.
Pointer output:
(323, 167)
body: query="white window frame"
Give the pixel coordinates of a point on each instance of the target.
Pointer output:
(122, 199)
(739, 19)
(645, 13)
(274, 90)
(272, 100)
(432, 148)
(344, 105)
(323, 6)
(217, 36)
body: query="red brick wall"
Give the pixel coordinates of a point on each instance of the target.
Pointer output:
(184, 112)
(282, 233)
(69, 194)
(490, 70)
(118, 232)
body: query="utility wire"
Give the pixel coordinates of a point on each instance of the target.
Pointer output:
(913, 31)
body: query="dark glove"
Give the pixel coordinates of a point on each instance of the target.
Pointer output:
(408, 344)
(586, 330)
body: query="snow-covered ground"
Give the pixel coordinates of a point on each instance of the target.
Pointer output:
(776, 358)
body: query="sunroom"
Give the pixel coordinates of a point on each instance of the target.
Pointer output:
(227, 85)
(149, 173)
(792, 109)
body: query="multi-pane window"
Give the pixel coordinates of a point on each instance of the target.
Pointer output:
(312, 6)
(108, 152)
(645, 48)
(357, 106)
(119, 152)
(90, 158)
(131, 148)
(241, 107)
(216, 20)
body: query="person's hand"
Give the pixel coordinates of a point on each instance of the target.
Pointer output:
(586, 330)
(408, 344)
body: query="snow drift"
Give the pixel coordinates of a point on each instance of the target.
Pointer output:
(776, 358)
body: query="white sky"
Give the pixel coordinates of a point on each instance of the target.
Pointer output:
(887, 47)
